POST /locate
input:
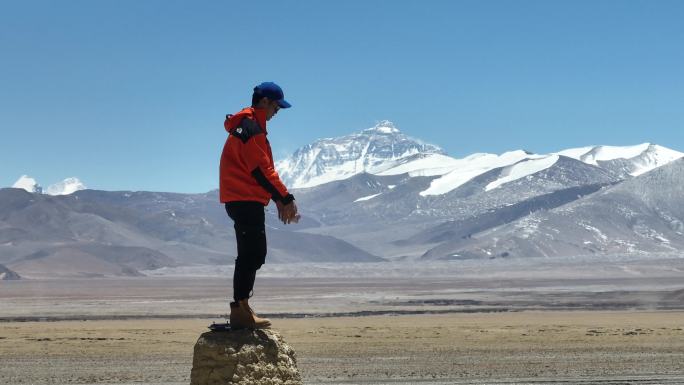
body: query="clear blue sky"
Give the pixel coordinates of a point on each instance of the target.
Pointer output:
(131, 95)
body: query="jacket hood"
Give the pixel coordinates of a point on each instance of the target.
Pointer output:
(232, 121)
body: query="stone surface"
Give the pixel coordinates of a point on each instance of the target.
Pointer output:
(249, 357)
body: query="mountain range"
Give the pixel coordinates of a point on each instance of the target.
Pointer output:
(374, 195)
(65, 187)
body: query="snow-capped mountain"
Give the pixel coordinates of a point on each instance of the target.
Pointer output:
(640, 216)
(65, 187)
(421, 200)
(624, 162)
(373, 150)
(29, 184)
(376, 193)
(474, 165)
(383, 150)
(627, 160)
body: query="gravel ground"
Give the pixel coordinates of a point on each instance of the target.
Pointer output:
(609, 347)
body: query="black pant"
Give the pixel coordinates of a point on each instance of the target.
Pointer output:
(250, 234)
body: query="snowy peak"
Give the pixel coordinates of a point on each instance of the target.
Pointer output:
(594, 154)
(463, 170)
(29, 184)
(622, 161)
(625, 160)
(372, 150)
(65, 187)
(384, 150)
(422, 165)
(523, 169)
(383, 127)
(654, 156)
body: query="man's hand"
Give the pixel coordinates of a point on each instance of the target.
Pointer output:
(280, 206)
(288, 213)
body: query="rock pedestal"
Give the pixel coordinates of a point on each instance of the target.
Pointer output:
(246, 357)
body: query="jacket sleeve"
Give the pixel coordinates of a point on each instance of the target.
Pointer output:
(261, 166)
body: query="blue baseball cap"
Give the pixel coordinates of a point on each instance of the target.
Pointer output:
(273, 92)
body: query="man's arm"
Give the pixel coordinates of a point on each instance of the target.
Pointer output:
(259, 163)
(263, 171)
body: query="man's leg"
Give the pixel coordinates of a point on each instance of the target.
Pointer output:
(251, 249)
(243, 281)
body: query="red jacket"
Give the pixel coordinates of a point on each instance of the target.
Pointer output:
(247, 172)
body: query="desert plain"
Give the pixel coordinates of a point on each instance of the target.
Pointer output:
(521, 347)
(484, 330)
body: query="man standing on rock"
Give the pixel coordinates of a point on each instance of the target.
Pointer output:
(248, 180)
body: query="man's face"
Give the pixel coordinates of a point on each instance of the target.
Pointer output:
(272, 108)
